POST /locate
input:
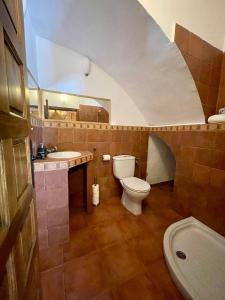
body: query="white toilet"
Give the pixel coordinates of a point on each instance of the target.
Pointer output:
(134, 189)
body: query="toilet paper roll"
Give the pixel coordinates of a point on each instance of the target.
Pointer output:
(95, 194)
(106, 157)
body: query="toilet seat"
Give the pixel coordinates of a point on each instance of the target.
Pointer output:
(136, 184)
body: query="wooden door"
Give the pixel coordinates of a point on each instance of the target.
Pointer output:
(18, 248)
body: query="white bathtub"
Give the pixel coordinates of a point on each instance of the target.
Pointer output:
(202, 274)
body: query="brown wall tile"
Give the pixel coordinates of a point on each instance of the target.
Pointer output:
(50, 136)
(201, 175)
(65, 135)
(203, 156)
(221, 97)
(182, 37)
(217, 178)
(204, 62)
(199, 187)
(218, 159)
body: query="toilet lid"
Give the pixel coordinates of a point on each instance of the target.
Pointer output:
(136, 184)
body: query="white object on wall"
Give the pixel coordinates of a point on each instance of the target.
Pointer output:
(86, 65)
(106, 157)
(220, 118)
(161, 163)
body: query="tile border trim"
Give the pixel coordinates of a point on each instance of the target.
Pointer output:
(102, 126)
(44, 166)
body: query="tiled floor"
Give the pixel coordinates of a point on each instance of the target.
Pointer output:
(115, 255)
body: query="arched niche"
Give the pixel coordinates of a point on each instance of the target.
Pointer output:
(161, 161)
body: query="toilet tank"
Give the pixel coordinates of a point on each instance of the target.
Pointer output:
(123, 166)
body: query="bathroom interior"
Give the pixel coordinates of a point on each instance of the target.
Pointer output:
(112, 149)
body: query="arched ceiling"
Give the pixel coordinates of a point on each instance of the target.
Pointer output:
(125, 42)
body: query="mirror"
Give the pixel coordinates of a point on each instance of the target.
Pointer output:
(34, 94)
(54, 105)
(71, 107)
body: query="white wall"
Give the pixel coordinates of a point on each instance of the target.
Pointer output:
(161, 163)
(30, 41)
(60, 69)
(206, 18)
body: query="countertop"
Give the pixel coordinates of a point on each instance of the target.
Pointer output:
(49, 164)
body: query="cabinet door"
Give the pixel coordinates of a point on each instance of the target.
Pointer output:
(18, 241)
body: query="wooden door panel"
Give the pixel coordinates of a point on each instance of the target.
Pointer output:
(28, 239)
(14, 80)
(12, 9)
(19, 266)
(4, 105)
(19, 274)
(4, 287)
(23, 251)
(20, 163)
(8, 182)
(33, 279)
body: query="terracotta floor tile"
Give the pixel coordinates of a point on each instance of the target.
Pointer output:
(84, 277)
(159, 235)
(106, 234)
(133, 226)
(147, 249)
(99, 215)
(139, 287)
(170, 215)
(120, 263)
(113, 201)
(154, 221)
(107, 295)
(158, 273)
(159, 198)
(81, 243)
(117, 211)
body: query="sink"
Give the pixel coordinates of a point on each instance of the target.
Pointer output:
(220, 118)
(64, 154)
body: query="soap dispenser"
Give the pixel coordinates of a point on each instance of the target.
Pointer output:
(42, 151)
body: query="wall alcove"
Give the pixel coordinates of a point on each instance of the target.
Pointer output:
(161, 162)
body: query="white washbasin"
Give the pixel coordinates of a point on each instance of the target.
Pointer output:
(217, 118)
(64, 154)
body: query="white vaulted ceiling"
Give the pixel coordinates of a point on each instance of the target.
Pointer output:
(121, 38)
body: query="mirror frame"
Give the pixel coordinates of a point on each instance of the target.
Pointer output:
(71, 94)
